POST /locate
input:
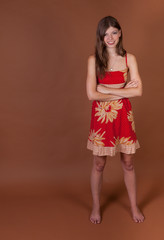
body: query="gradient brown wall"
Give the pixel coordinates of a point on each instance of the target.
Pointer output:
(44, 110)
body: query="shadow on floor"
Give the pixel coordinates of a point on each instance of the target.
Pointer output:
(152, 192)
(110, 193)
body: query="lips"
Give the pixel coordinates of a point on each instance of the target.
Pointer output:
(110, 43)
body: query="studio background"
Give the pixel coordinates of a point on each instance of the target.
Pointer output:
(45, 116)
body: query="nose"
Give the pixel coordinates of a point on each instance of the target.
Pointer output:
(110, 37)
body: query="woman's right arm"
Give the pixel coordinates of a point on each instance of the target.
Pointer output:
(91, 84)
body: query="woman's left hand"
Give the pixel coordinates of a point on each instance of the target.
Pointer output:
(132, 83)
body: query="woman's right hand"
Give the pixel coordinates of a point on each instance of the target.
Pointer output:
(102, 89)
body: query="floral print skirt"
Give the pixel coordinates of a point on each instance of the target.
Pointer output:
(112, 128)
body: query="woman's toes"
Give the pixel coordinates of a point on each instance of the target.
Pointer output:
(135, 220)
(95, 220)
(95, 216)
(91, 220)
(137, 215)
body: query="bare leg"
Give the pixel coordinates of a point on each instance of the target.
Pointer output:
(96, 185)
(130, 182)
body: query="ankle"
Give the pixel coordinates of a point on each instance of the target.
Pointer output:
(134, 207)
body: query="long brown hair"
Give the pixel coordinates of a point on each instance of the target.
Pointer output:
(101, 53)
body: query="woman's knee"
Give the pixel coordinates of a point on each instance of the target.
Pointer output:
(127, 162)
(99, 163)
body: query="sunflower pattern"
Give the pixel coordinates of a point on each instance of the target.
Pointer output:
(107, 111)
(96, 138)
(131, 119)
(122, 140)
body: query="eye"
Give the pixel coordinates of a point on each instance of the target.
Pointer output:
(115, 32)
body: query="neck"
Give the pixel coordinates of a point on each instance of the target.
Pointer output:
(112, 52)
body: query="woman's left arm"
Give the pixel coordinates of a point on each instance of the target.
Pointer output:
(134, 87)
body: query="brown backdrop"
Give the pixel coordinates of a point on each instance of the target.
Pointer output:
(45, 113)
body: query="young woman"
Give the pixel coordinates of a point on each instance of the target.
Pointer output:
(112, 127)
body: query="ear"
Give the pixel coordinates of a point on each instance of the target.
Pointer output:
(119, 33)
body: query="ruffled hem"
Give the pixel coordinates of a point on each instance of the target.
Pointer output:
(111, 151)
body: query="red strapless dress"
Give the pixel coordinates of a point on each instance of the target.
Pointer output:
(112, 127)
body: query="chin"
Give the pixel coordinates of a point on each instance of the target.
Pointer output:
(111, 46)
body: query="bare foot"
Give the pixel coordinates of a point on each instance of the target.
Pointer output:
(137, 215)
(95, 216)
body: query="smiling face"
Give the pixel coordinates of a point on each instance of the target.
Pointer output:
(111, 37)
